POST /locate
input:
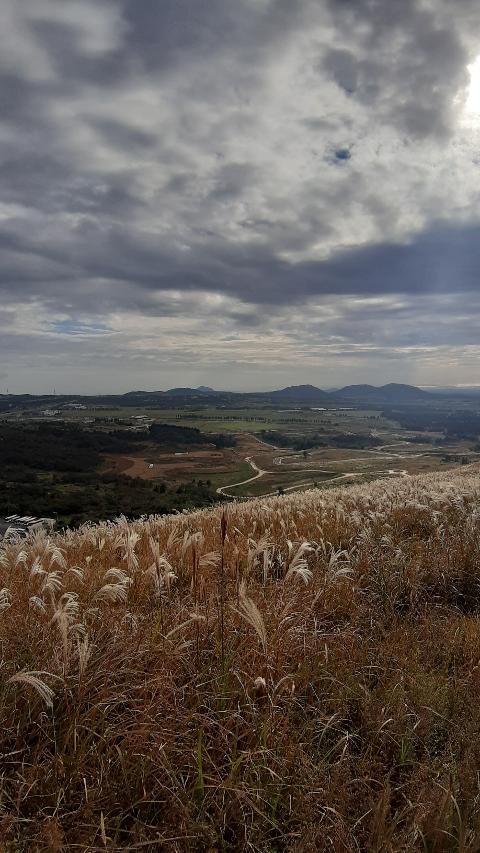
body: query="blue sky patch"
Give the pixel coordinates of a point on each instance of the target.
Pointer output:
(76, 327)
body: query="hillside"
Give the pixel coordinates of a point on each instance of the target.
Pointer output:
(188, 392)
(298, 393)
(292, 674)
(393, 392)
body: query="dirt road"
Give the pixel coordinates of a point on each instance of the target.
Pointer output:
(259, 473)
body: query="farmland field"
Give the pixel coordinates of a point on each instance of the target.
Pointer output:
(288, 469)
(274, 449)
(215, 419)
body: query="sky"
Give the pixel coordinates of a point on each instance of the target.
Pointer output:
(245, 194)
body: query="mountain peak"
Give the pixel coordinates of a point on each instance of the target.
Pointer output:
(392, 392)
(299, 393)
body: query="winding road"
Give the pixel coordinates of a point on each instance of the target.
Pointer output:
(259, 472)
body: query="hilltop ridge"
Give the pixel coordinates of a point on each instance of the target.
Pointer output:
(175, 672)
(393, 392)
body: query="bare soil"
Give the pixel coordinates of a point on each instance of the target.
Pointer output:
(175, 466)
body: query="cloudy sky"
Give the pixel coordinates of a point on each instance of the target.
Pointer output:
(240, 193)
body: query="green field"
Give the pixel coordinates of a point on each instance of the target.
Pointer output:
(235, 475)
(212, 419)
(338, 435)
(273, 482)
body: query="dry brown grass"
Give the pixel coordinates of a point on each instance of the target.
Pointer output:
(293, 674)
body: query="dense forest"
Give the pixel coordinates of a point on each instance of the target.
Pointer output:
(170, 434)
(60, 447)
(454, 424)
(49, 469)
(306, 442)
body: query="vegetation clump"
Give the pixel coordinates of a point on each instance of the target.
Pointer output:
(53, 469)
(171, 434)
(291, 674)
(306, 442)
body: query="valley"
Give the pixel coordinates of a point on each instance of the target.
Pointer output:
(85, 459)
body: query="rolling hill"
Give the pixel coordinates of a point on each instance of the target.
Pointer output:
(298, 393)
(295, 673)
(393, 392)
(188, 392)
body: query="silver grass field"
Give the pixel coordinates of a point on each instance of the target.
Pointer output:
(296, 673)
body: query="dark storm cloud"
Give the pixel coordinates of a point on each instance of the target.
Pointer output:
(123, 135)
(433, 263)
(167, 36)
(231, 180)
(73, 64)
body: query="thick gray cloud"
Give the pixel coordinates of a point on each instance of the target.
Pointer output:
(249, 182)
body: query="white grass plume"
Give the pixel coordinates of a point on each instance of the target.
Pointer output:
(32, 679)
(5, 599)
(298, 566)
(249, 611)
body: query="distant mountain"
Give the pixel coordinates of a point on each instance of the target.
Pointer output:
(397, 390)
(356, 391)
(293, 394)
(299, 394)
(394, 392)
(189, 392)
(141, 393)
